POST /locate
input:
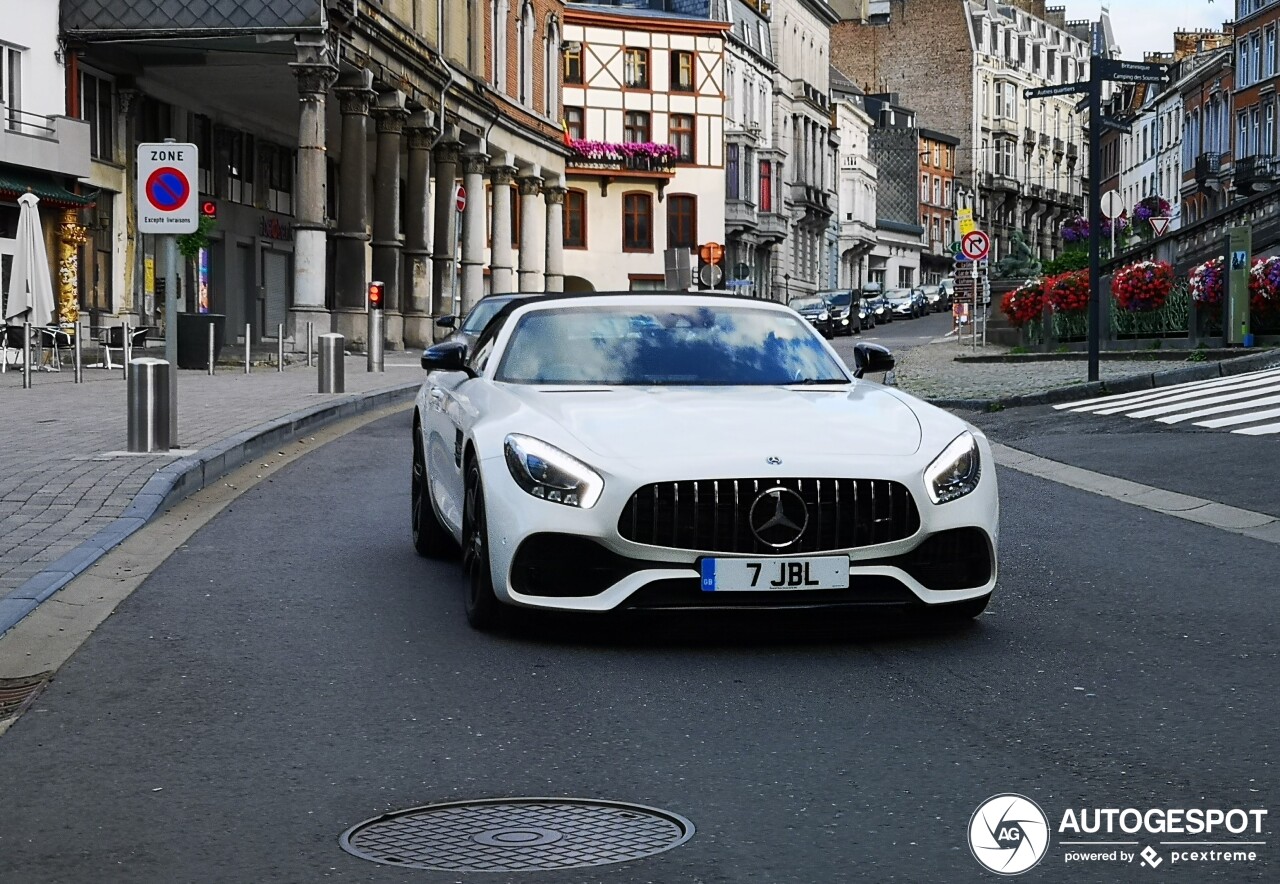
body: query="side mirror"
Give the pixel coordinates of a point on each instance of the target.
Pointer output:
(449, 356)
(871, 358)
(447, 321)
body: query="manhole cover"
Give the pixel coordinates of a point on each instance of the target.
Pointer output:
(516, 835)
(16, 693)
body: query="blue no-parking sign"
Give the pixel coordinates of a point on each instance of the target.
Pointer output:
(167, 188)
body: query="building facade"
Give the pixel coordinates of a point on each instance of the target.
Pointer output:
(1257, 72)
(332, 139)
(937, 152)
(43, 150)
(857, 180)
(900, 238)
(644, 115)
(1208, 160)
(755, 224)
(969, 65)
(803, 130)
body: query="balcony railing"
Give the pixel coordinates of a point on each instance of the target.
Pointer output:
(1058, 146)
(1208, 169)
(1253, 174)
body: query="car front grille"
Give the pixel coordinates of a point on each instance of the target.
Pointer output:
(714, 515)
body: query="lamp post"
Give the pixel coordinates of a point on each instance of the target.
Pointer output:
(786, 278)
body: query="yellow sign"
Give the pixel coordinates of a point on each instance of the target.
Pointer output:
(965, 217)
(149, 276)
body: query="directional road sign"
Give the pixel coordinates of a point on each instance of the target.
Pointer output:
(1120, 71)
(166, 188)
(1061, 89)
(975, 246)
(1108, 123)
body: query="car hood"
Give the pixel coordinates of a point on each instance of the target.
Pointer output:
(634, 423)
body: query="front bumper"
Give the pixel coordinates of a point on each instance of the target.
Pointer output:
(548, 556)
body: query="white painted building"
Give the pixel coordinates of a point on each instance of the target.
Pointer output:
(646, 122)
(803, 130)
(42, 150)
(856, 183)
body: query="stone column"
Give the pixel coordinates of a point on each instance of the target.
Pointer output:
(71, 236)
(315, 74)
(132, 305)
(532, 234)
(473, 166)
(501, 257)
(351, 277)
(443, 267)
(555, 238)
(417, 234)
(390, 116)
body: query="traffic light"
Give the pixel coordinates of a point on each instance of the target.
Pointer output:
(209, 209)
(376, 292)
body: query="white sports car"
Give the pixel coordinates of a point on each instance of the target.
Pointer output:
(659, 451)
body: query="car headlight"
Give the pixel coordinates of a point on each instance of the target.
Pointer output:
(550, 474)
(823, 317)
(956, 471)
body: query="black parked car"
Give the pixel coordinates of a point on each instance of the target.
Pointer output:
(937, 298)
(814, 308)
(847, 317)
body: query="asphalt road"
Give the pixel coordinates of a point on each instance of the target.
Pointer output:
(296, 669)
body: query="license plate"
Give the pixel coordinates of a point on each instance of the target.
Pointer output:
(763, 575)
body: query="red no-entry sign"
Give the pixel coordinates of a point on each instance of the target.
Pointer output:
(460, 198)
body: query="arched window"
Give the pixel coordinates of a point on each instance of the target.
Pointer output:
(501, 17)
(550, 70)
(527, 28)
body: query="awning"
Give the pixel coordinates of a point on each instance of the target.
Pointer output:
(15, 181)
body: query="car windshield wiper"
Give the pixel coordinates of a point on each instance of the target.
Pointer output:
(809, 382)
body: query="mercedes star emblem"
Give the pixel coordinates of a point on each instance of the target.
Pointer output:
(774, 461)
(778, 517)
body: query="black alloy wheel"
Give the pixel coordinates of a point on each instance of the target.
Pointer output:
(430, 538)
(484, 611)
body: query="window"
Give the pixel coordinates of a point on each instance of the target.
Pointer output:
(766, 186)
(11, 84)
(573, 122)
(501, 15)
(95, 261)
(637, 222)
(924, 188)
(572, 56)
(550, 85)
(635, 127)
(527, 27)
(635, 69)
(906, 277)
(946, 194)
(575, 219)
(681, 137)
(937, 190)
(732, 172)
(682, 221)
(681, 71)
(233, 165)
(277, 169)
(96, 108)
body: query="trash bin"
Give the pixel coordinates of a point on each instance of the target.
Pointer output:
(193, 338)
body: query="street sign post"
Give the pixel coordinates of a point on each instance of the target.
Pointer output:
(1117, 70)
(1060, 89)
(1116, 125)
(168, 204)
(1112, 204)
(460, 198)
(1160, 225)
(975, 245)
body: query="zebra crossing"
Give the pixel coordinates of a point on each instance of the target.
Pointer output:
(1245, 404)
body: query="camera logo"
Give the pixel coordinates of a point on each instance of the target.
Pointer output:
(1008, 834)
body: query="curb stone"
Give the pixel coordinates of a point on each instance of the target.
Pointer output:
(184, 477)
(1165, 378)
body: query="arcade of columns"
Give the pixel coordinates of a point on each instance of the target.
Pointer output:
(433, 161)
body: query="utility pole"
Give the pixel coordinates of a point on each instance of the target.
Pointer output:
(1095, 201)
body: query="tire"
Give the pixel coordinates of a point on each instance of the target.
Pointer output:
(484, 611)
(430, 538)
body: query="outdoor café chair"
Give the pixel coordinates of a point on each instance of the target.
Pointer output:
(113, 339)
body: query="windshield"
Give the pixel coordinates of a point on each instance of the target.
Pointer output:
(838, 299)
(666, 345)
(481, 313)
(898, 294)
(806, 303)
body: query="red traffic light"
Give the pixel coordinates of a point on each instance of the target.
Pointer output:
(376, 292)
(209, 208)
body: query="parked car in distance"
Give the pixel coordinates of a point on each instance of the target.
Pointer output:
(934, 298)
(814, 308)
(906, 303)
(868, 312)
(844, 314)
(947, 288)
(476, 319)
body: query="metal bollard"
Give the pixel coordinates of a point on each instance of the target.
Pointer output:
(248, 339)
(331, 374)
(79, 377)
(280, 347)
(148, 392)
(373, 361)
(26, 356)
(210, 349)
(310, 342)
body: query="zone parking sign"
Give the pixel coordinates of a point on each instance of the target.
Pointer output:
(167, 185)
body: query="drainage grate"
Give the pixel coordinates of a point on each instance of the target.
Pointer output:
(16, 693)
(516, 835)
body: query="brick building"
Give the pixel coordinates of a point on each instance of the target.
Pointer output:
(1208, 163)
(1257, 73)
(937, 203)
(968, 64)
